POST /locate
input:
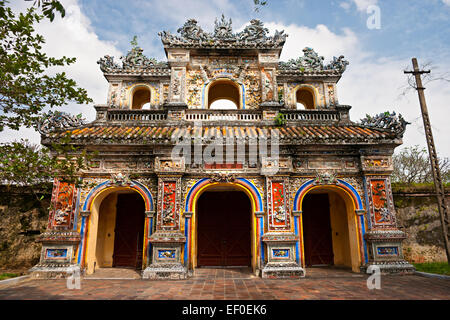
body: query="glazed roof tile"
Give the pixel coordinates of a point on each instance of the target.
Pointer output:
(164, 134)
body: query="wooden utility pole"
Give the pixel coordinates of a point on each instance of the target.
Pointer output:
(440, 193)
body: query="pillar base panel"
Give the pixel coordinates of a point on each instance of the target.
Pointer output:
(164, 272)
(53, 271)
(282, 270)
(391, 267)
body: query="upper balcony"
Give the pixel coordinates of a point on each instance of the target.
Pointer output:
(229, 117)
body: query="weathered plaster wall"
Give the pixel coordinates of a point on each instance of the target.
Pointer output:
(418, 216)
(22, 217)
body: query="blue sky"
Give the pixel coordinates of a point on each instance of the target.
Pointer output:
(373, 82)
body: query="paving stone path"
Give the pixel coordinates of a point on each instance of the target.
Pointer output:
(231, 284)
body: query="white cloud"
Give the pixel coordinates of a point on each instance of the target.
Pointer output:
(72, 36)
(373, 85)
(446, 2)
(345, 5)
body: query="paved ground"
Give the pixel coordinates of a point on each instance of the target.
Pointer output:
(234, 284)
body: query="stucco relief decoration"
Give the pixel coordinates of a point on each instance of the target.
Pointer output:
(192, 36)
(311, 61)
(63, 204)
(169, 206)
(222, 177)
(326, 178)
(388, 121)
(377, 163)
(278, 198)
(120, 179)
(57, 120)
(380, 202)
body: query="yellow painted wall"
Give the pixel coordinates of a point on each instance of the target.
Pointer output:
(339, 231)
(105, 234)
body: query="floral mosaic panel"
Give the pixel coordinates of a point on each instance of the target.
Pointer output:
(278, 205)
(63, 205)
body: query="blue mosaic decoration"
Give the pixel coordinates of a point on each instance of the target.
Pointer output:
(387, 251)
(56, 253)
(166, 254)
(280, 253)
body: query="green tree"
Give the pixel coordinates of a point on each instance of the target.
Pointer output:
(26, 89)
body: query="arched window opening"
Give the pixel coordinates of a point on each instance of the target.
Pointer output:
(304, 99)
(141, 96)
(225, 93)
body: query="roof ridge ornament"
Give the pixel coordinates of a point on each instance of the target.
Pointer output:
(254, 35)
(59, 120)
(388, 121)
(311, 62)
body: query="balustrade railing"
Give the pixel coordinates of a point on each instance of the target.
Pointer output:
(122, 115)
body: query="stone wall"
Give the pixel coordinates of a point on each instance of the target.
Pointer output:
(23, 216)
(418, 216)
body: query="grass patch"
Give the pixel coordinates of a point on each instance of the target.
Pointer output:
(433, 267)
(4, 276)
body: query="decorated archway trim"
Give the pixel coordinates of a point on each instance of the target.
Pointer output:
(357, 203)
(134, 185)
(191, 195)
(304, 188)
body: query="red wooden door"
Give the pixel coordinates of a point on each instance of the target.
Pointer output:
(223, 233)
(129, 231)
(317, 230)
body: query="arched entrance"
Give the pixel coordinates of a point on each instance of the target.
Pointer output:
(255, 216)
(330, 228)
(223, 229)
(116, 230)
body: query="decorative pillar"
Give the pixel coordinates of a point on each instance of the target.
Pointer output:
(167, 241)
(60, 240)
(178, 60)
(268, 63)
(383, 237)
(281, 242)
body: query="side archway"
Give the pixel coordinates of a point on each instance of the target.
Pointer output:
(351, 203)
(139, 95)
(306, 95)
(90, 217)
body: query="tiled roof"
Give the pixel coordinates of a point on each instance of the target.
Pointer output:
(164, 134)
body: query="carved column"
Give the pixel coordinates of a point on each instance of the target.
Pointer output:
(383, 237)
(167, 240)
(268, 63)
(279, 239)
(178, 60)
(60, 240)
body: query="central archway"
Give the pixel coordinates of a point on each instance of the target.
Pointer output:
(256, 223)
(223, 228)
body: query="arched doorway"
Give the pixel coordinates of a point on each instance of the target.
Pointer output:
(141, 98)
(305, 98)
(116, 230)
(330, 229)
(223, 94)
(224, 229)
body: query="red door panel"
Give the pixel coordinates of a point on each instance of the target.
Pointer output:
(128, 241)
(224, 228)
(317, 230)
